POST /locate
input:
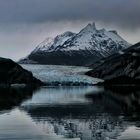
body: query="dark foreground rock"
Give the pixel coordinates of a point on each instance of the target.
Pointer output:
(120, 68)
(13, 74)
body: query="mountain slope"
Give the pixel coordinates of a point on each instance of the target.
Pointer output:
(82, 48)
(121, 67)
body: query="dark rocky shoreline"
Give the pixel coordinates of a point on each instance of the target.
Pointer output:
(12, 74)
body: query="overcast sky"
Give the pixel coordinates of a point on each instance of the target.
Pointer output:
(26, 23)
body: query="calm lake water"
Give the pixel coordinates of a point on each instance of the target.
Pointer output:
(69, 113)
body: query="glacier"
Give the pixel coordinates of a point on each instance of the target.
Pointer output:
(62, 75)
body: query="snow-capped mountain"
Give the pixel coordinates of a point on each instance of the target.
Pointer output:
(82, 48)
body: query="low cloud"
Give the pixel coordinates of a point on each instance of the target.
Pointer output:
(120, 12)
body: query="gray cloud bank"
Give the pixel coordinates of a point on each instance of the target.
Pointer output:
(120, 12)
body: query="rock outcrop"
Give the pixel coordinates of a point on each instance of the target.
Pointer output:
(12, 74)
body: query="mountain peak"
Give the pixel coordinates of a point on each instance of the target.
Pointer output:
(89, 27)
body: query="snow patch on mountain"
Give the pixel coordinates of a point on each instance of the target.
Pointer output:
(45, 45)
(52, 44)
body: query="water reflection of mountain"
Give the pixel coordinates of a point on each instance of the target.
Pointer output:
(127, 97)
(109, 114)
(11, 97)
(88, 126)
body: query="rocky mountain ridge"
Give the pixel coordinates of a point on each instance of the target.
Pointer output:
(122, 67)
(83, 48)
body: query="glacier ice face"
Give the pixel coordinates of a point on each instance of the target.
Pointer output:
(62, 75)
